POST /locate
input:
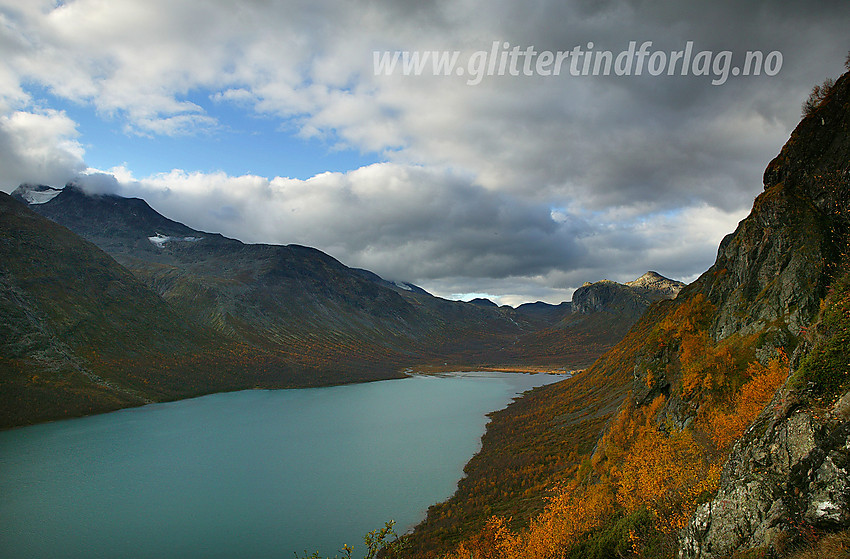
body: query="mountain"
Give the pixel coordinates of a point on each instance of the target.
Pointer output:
(192, 312)
(598, 317)
(319, 310)
(631, 298)
(62, 300)
(655, 287)
(289, 298)
(483, 302)
(249, 315)
(719, 426)
(545, 311)
(83, 334)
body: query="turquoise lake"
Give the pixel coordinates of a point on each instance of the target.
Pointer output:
(252, 474)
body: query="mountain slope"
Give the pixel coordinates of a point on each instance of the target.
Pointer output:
(320, 314)
(60, 299)
(730, 402)
(289, 298)
(213, 314)
(83, 335)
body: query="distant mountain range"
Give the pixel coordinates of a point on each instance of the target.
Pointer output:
(109, 303)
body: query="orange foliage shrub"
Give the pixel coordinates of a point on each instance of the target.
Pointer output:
(574, 510)
(706, 368)
(641, 465)
(660, 472)
(665, 475)
(692, 315)
(753, 396)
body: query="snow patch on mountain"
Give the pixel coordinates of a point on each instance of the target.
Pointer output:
(37, 194)
(403, 286)
(160, 240)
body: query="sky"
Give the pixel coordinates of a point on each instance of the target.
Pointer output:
(534, 164)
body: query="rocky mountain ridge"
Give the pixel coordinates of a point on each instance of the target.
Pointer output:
(306, 317)
(656, 287)
(784, 274)
(631, 297)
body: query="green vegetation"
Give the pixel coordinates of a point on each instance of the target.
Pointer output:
(616, 537)
(825, 372)
(382, 540)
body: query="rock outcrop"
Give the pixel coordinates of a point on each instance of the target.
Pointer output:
(790, 472)
(632, 297)
(655, 287)
(774, 269)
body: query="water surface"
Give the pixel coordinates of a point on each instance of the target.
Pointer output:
(253, 474)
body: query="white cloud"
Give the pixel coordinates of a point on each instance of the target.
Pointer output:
(38, 147)
(435, 228)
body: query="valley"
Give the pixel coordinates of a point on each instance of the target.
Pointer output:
(111, 304)
(704, 421)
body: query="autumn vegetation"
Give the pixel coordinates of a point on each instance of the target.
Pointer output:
(631, 491)
(592, 467)
(567, 492)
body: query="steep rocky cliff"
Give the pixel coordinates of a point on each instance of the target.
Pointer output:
(788, 478)
(774, 269)
(783, 275)
(632, 297)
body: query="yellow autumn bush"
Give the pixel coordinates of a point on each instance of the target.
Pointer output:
(643, 467)
(572, 511)
(754, 395)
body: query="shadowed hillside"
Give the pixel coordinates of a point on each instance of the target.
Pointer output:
(196, 312)
(83, 335)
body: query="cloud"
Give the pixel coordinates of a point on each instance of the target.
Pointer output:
(435, 228)
(607, 140)
(38, 147)
(401, 221)
(519, 185)
(95, 182)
